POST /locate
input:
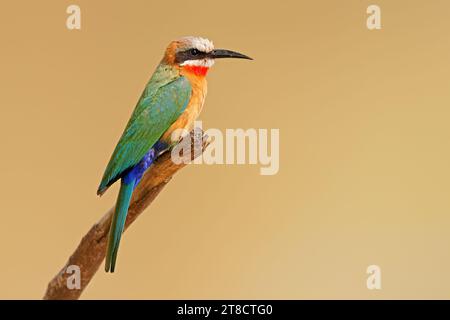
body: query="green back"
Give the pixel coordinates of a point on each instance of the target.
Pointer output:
(164, 99)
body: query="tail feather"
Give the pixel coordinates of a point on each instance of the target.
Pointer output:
(118, 224)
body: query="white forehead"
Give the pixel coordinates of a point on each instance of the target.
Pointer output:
(201, 44)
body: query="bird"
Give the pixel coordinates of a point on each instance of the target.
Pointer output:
(172, 99)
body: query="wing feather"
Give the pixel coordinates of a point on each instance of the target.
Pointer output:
(155, 112)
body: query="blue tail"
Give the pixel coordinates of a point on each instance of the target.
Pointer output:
(118, 223)
(128, 182)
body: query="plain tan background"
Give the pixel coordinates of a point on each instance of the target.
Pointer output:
(364, 158)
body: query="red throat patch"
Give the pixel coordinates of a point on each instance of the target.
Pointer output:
(197, 70)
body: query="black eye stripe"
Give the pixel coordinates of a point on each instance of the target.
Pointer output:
(189, 54)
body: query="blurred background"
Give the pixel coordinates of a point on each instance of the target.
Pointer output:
(364, 149)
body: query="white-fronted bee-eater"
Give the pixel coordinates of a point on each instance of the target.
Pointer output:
(172, 99)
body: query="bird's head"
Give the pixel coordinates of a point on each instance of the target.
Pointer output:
(196, 55)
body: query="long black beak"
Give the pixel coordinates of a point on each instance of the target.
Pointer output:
(222, 53)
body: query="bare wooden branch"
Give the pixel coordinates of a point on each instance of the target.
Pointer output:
(89, 254)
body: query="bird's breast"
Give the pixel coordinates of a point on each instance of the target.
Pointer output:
(187, 118)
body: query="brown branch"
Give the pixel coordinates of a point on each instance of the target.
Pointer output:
(89, 254)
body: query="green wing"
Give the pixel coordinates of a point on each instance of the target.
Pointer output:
(162, 102)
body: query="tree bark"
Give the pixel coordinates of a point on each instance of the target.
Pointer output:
(89, 254)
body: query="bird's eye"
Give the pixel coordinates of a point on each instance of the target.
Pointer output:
(194, 52)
